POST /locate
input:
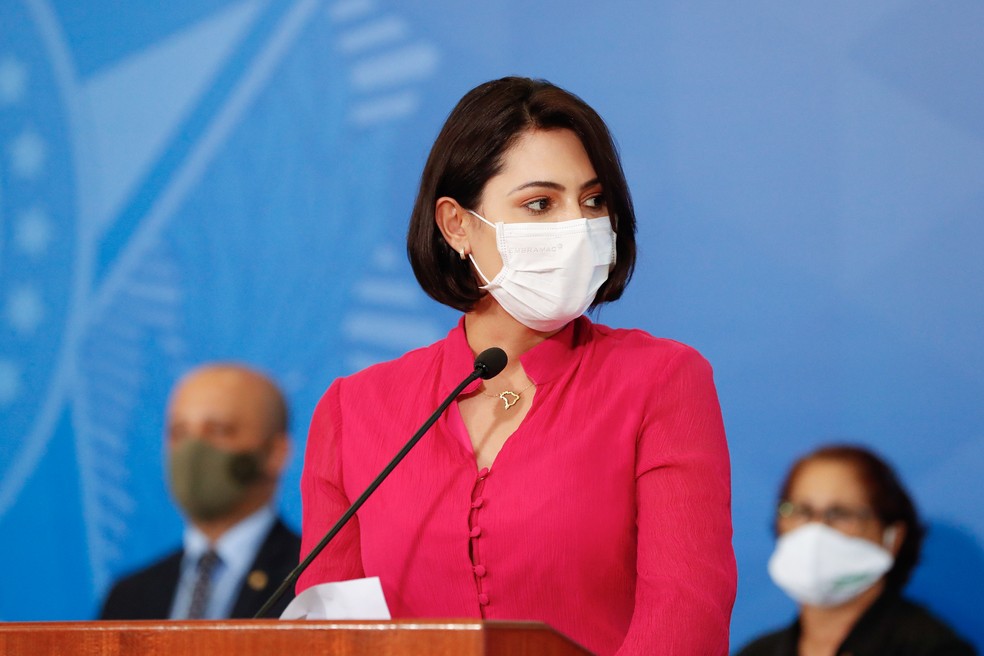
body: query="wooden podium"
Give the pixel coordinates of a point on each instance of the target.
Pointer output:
(282, 638)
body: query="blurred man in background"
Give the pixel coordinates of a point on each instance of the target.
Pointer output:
(227, 445)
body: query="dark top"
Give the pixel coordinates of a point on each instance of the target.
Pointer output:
(149, 593)
(891, 627)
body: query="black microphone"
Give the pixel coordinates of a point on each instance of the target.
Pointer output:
(491, 361)
(488, 364)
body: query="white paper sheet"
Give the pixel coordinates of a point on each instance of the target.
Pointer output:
(357, 599)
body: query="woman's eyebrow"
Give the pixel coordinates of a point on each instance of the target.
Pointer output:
(556, 186)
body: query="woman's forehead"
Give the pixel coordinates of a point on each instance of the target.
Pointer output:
(550, 155)
(828, 481)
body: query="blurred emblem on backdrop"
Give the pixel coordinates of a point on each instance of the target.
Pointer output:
(167, 192)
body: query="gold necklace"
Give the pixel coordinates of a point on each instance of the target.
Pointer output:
(509, 398)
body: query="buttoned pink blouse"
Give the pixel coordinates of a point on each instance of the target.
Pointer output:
(605, 515)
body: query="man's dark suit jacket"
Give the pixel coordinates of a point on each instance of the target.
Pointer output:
(149, 593)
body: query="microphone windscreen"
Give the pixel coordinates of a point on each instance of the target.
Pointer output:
(490, 362)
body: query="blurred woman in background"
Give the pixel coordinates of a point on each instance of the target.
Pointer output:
(848, 540)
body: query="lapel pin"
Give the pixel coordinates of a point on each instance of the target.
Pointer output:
(257, 579)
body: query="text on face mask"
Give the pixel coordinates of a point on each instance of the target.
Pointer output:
(535, 250)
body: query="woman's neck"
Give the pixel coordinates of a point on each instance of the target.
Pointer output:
(489, 325)
(824, 629)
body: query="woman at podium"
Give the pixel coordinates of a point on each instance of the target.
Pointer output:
(587, 485)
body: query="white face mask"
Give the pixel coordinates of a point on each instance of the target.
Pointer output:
(818, 565)
(550, 271)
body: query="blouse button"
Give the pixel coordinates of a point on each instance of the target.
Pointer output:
(475, 532)
(479, 571)
(483, 599)
(477, 503)
(483, 473)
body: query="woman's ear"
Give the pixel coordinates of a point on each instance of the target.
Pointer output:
(893, 537)
(450, 218)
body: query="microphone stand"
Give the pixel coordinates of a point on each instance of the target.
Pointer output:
(481, 371)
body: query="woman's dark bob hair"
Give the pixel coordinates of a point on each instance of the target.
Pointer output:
(887, 497)
(469, 151)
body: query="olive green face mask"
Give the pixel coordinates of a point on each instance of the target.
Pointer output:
(209, 482)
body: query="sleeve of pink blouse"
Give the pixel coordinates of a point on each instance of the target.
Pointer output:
(324, 500)
(686, 566)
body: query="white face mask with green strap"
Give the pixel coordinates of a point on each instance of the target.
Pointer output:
(818, 565)
(551, 271)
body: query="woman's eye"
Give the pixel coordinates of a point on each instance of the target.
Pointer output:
(539, 205)
(595, 202)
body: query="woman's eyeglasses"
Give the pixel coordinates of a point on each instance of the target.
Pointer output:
(838, 517)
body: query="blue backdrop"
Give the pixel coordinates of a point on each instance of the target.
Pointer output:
(206, 179)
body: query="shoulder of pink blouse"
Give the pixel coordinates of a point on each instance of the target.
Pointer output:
(620, 352)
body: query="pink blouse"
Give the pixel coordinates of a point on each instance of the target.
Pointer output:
(606, 515)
